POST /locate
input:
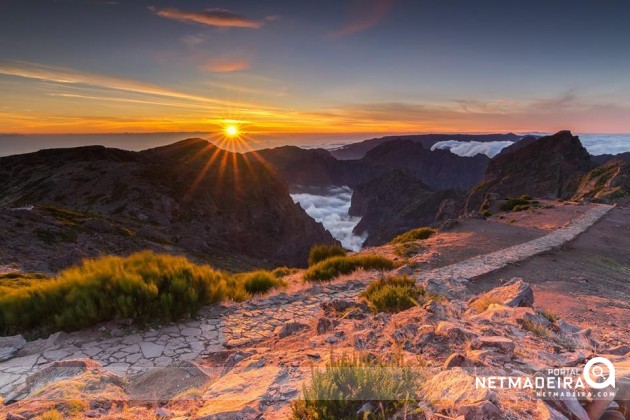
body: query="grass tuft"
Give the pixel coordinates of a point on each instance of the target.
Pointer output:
(414, 235)
(484, 303)
(348, 383)
(336, 266)
(535, 328)
(393, 294)
(144, 286)
(320, 253)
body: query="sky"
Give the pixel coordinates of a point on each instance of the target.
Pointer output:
(326, 66)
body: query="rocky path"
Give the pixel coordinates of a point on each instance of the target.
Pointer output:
(124, 350)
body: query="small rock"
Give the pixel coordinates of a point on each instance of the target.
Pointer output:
(11, 416)
(92, 414)
(482, 410)
(619, 350)
(514, 293)
(324, 325)
(458, 360)
(287, 389)
(290, 328)
(163, 412)
(453, 332)
(496, 342)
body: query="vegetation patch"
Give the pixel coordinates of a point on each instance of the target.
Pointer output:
(351, 382)
(536, 328)
(393, 294)
(320, 253)
(511, 203)
(407, 249)
(414, 235)
(484, 303)
(143, 286)
(551, 317)
(336, 266)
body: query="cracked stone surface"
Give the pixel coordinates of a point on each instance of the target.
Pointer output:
(125, 350)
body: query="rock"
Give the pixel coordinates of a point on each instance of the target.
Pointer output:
(287, 389)
(453, 388)
(502, 344)
(619, 350)
(458, 360)
(290, 328)
(482, 410)
(608, 415)
(163, 412)
(10, 345)
(454, 332)
(151, 350)
(11, 416)
(339, 306)
(514, 293)
(324, 325)
(546, 412)
(92, 414)
(569, 406)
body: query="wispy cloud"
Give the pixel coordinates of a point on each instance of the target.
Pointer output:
(211, 17)
(69, 76)
(365, 14)
(225, 65)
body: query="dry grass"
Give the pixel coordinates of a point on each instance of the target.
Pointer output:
(482, 303)
(536, 329)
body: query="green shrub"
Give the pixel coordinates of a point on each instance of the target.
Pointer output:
(281, 272)
(143, 286)
(486, 213)
(407, 249)
(414, 235)
(513, 202)
(526, 197)
(520, 208)
(349, 382)
(335, 266)
(260, 281)
(393, 294)
(322, 252)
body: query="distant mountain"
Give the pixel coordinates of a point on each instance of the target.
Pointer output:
(439, 169)
(189, 197)
(360, 149)
(395, 202)
(548, 167)
(525, 141)
(603, 159)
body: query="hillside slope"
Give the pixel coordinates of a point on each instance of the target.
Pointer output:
(189, 196)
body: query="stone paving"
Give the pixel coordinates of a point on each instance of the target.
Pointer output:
(126, 350)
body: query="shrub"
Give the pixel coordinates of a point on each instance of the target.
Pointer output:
(414, 235)
(520, 208)
(526, 197)
(143, 286)
(393, 294)
(260, 281)
(335, 266)
(551, 317)
(349, 382)
(513, 202)
(281, 272)
(482, 303)
(322, 252)
(407, 249)
(486, 213)
(536, 328)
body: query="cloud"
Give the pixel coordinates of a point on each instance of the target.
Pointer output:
(211, 17)
(226, 65)
(69, 76)
(472, 148)
(365, 15)
(330, 206)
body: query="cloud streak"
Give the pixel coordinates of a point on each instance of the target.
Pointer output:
(365, 15)
(210, 17)
(226, 65)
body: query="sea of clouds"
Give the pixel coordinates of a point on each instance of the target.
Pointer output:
(596, 144)
(330, 205)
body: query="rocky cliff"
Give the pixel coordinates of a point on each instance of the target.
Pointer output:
(395, 203)
(549, 167)
(189, 197)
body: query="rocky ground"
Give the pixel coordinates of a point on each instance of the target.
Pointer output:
(250, 360)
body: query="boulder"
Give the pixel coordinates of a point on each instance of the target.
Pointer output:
(514, 293)
(290, 328)
(324, 325)
(502, 344)
(454, 332)
(453, 388)
(10, 345)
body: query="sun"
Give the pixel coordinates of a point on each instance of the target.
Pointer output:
(231, 131)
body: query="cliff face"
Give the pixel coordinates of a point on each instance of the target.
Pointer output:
(395, 203)
(439, 169)
(549, 167)
(607, 183)
(190, 196)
